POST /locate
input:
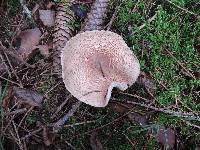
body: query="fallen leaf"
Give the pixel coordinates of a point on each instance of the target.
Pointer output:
(197, 47)
(2, 65)
(95, 142)
(44, 49)
(197, 148)
(146, 82)
(0, 88)
(47, 17)
(27, 96)
(6, 100)
(166, 137)
(138, 118)
(79, 11)
(50, 5)
(117, 107)
(197, 75)
(26, 41)
(47, 136)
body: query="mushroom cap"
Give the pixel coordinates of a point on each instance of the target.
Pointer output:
(94, 62)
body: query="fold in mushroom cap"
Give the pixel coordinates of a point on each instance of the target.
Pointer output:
(94, 62)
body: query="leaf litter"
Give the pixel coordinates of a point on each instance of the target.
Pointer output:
(26, 44)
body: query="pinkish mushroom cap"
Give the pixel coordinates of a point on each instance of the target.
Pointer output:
(94, 62)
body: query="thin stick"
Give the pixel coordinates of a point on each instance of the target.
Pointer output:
(109, 25)
(17, 134)
(133, 146)
(192, 125)
(18, 111)
(191, 75)
(113, 121)
(188, 116)
(61, 106)
(148, 21)
(20, 83)
(10, 81)
(58, 125)
(79, 123)
(184, 9)
(31, 134)
(29, 110)
(52, 89)
(135, 96)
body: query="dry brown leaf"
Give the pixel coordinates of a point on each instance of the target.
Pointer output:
(27, 96)
(145, 81)
(2, 66)
(26, 41)
(47, 17)
(0, 88)
(95, 142)
(44, 49)
(138, 118)
(47, 136)
(120, 108)
(166, 137)
(50, 5)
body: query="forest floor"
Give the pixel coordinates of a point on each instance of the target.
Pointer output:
(160, 111)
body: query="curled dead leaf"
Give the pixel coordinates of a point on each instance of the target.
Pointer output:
(28, 96)
(2, 65)
(95, 142)
(44, 49)
(50, 5)
(118, 107)
(166, 137)
(26, 41)
(145, 81)
(47, 136)
(138, 118)
(47, 17)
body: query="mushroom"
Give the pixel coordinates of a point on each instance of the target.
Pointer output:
(94, 62)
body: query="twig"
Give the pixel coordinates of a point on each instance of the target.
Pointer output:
(79, 123)
(31, 133)
(109, 25)
(135, 96)
(133, 145)
(20, 83)
(110, 123)
(26, 10)
(17, 134)
(191, 124)
(10, 81)
(191, 75)
(70, 145)
(148, 21)
(18, 111)
(29, 110)
(58, 125)
(187, 116)
(184, 9)
(61, 106)
(52, 89)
